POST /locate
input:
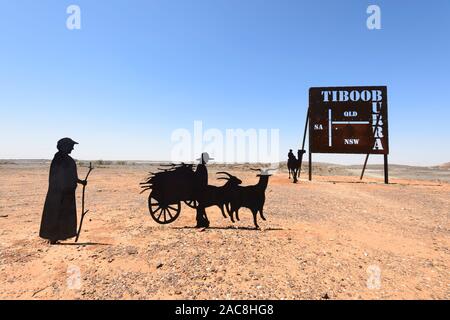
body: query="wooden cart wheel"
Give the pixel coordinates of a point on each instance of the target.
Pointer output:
(192, 203)
(163, 214)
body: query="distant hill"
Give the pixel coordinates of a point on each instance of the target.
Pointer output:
(445, 165)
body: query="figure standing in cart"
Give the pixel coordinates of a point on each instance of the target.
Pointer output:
(200, 184)
(59, 218)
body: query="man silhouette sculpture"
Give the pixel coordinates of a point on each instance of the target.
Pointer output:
(291, 155)
(201, 183)
(59, 217)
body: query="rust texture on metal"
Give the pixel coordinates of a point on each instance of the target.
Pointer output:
(344, 120)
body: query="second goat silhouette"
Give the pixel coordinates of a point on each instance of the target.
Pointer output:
(252, 197)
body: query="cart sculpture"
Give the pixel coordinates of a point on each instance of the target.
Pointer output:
(169, 187)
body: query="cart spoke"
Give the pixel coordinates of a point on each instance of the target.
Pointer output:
(156, 211)
(159, 216)
(191, 203)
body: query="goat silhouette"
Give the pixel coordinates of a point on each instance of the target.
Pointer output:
(220, 196)
(251, 197)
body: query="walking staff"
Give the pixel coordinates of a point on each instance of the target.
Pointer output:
(83, 212)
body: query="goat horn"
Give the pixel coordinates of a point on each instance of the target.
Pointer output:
(223, 172)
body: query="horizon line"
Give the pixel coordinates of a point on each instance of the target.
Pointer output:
(305, 162)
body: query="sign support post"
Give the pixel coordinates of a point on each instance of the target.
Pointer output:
(310, 165)
(386, 173)
(303, 143)
(364, 166)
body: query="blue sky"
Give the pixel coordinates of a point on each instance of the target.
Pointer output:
(138, 70)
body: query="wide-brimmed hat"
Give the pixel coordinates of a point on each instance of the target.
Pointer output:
(65, 142)
(205, 157)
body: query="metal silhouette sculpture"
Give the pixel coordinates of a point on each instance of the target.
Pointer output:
(251, 197)
(221, 196)
(200, 189)
(300, 154)
(180, 183)
(83, 212)
(169, 188)
(59, 217)
(295, 164)
(291, 164)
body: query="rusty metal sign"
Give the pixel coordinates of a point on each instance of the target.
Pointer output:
(348, 120)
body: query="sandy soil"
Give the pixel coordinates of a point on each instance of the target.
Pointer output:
(332, 238)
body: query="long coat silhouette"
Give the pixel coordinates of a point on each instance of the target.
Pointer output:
(59, 218)
(200, 185)
(201, 177)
